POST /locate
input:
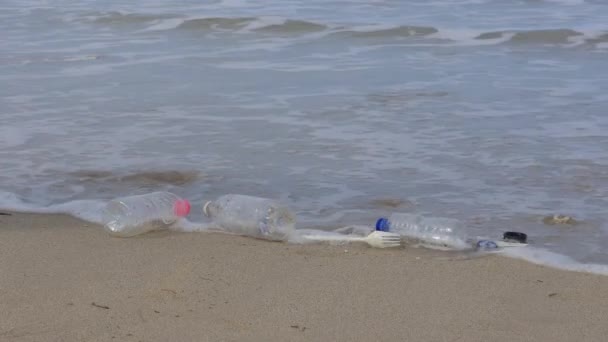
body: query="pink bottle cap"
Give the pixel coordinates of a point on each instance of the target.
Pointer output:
(181, 208)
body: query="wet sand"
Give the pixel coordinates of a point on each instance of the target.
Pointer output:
(62, 279)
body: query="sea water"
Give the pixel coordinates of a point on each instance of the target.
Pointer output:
(490, 112)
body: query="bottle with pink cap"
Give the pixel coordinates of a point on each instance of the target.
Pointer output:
(138, 214)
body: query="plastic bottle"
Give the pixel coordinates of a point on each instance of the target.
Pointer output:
(138, 214)
(251, 216)
(431, 231)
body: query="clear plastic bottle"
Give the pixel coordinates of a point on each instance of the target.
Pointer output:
(431, 231)
(138, 214)
(251, 216)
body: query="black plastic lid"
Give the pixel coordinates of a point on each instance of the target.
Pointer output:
(515, 236)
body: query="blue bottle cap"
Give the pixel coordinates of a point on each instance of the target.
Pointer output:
(383, 224)
(486, 244)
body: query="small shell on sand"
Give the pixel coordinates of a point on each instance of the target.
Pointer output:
(559, 219)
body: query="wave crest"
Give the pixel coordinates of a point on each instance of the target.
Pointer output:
(118, 18)
(286, 26)
(551, 36)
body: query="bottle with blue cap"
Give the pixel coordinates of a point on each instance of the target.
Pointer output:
(434, 232)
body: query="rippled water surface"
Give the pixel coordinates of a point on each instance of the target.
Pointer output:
(492, 112)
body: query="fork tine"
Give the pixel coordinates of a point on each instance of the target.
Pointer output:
(391, 242)
(384, 239)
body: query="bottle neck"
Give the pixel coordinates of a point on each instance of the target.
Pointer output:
(206, 208)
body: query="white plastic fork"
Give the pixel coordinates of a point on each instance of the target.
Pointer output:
(509, 244)
(378, 239)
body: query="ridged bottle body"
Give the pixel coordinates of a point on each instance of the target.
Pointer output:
(138, 214)
(433, 231)
(251, 216)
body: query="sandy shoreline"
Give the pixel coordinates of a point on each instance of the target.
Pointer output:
(62, 279)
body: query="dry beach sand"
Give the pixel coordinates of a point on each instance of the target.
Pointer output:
(62, 279)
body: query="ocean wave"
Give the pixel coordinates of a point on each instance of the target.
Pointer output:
(600, 38)
(261, 24)
(555, 36)
(119, 18)
(274, 25)
(279, 25)
(214, 23)
(388, 32)
(550, 37)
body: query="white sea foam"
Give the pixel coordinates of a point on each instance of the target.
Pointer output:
(91, 210)
(88, 210)
(547, 258)
(165, 24)
(265, 21)
(469, 37)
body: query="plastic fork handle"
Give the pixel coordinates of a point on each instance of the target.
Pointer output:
(333, 238)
